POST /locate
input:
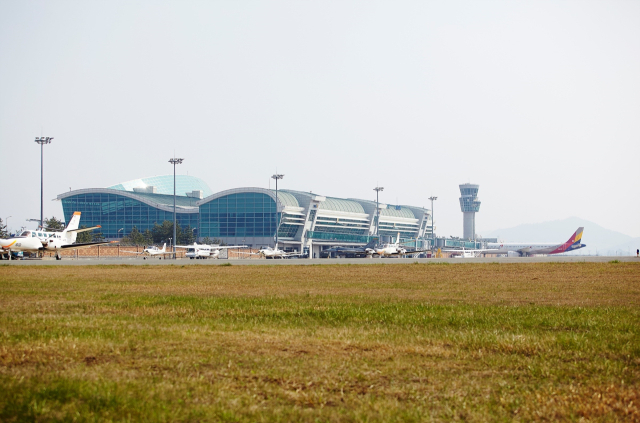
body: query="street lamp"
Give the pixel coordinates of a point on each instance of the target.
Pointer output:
(174, 162)
(6, 223)
(276, 177)
(377, 190)
(121, 229)
(432, 221)
(42, 141)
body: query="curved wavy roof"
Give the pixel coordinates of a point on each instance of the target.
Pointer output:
(393, 211)
(164, 185)
(338, 204)
(161, 201)
(286, 199)
(333, 203)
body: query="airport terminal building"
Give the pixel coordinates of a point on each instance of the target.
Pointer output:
(304, 221)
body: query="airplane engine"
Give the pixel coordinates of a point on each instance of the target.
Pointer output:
(53, 244)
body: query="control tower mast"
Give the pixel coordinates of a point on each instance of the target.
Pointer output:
(470, 205)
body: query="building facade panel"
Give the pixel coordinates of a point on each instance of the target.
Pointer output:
(240, 215)
(118, 214)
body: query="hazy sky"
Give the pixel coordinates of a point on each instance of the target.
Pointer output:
(538, 102)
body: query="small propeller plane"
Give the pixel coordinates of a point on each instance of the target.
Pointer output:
(388, 250)
(36, 241)
(274, 253)
(152, 251)
(203, 251)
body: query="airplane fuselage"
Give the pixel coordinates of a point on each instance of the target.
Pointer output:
(29, 241)
(531, 249)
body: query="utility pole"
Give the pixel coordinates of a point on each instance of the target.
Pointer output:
(174, 162)
(42, 141)
(276, 177)
(377, 190)
(433, 225)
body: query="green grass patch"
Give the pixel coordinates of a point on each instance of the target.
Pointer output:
(333, 343)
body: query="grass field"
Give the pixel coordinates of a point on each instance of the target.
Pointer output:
(421, 342)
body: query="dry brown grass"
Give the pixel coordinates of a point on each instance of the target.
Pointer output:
(321, 343)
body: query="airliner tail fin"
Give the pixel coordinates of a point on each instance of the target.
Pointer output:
(577, 236)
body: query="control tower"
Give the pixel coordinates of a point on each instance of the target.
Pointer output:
(469, 204)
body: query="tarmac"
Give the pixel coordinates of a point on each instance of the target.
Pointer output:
(138, 261)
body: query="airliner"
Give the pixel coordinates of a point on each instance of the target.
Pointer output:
(523, 249)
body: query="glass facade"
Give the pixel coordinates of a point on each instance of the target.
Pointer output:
(246, 214)
(113, 212)
(341, 225)
(326, 236)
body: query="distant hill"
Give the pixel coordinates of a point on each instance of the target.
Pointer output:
(599, 240)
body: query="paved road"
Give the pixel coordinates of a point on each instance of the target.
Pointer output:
(293, 262)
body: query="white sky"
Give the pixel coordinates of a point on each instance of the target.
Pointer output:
(538, 102)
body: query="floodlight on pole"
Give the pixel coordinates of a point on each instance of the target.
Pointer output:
(276, 177)
(42, 141)
(377, 190)
(174, 162)
(432, 221)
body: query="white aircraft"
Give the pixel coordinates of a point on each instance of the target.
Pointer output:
(203, 251)
(521, 249)
(152, 251)
(463, 253)
(388, 250)
(274, 253)
(35, 241)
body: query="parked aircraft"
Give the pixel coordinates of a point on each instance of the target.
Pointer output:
(463, 253)
(522, 249)
(203, 251)
(350, 251)
(35, 241)
(388, 250)
(152, 251)
(273, 253)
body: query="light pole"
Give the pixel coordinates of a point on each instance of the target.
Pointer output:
(377, 190)
(42, 141)
(276, 177)
(174, 162)
(432, 222)
(121, 229)
(6, 223)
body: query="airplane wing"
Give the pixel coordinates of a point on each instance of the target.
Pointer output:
(294, 254)
(406, 252)
(253, 254)
(85, 244)
(84, 229)
(229, 246)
